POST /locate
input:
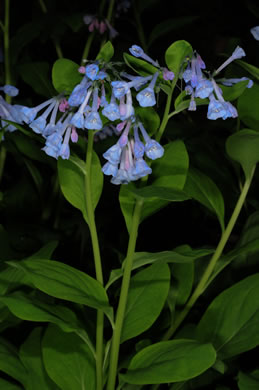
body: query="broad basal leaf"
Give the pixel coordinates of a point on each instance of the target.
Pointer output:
(170, 361)
(231, 321)
(65, 282)
(147, 295)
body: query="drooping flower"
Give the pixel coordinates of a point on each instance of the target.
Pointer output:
(93, 120)
(137, 51)
(125, 159)
(146, 97)
(10, 90)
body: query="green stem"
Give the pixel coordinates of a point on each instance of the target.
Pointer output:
(108, 17)
(97, 259)
(166, 112)
(58, 49)
(123, 297)
(110, 10)
(43, 6)
(87, 47)
(211, 266)
(6, 48)
(2, 160)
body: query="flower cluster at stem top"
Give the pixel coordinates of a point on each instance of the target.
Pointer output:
(200, 86)
(104, 96)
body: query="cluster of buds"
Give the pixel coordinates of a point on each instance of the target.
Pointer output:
(100, 25)
(199, 86)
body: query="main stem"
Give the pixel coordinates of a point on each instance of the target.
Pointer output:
(166, 112)
(97, 259)
(211, 266)
(123, 297)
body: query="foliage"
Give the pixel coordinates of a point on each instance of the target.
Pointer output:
(129, 196)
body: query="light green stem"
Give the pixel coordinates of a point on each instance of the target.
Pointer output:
(108, 17)
(87, 47)
(166, 112)
(97, 259)
(110, 10)
(115, 346)
(211, 266)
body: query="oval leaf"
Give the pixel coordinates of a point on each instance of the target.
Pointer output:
(243, 147)
(248, 382)
(247, 106)
(176, 54)
(31, 357)
(106, 52)
(65, 75)
(62, 281)
(231, 321)
(72, 181)
(147, 295)
(68, 360)
(170, 361)
(10, 362)
(167, 172)
(201, 188)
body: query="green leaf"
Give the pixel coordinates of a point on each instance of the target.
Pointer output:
(247, 106)
(65, 75)
(183, 277)
(231, 321)
(243, 147)
(72, 181)
(149, 117)
(62, 281)
(170, 361)
(253, 70)
(106, 52)
(8, 385)
(30, 308)
(10, 278)
(181, 254)
(140, 66)
(176, 54)
(31, 357)
(68, 360)
(233, 92)
(167, 172)
(147, 295)
(37, 75)
(201, 188)
(10, 362)
(248, 381)
(169, 194)
(45, 252)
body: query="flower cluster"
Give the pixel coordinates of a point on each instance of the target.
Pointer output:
(199, 86)
(101, 25)
(104, 96)
(125, 160)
